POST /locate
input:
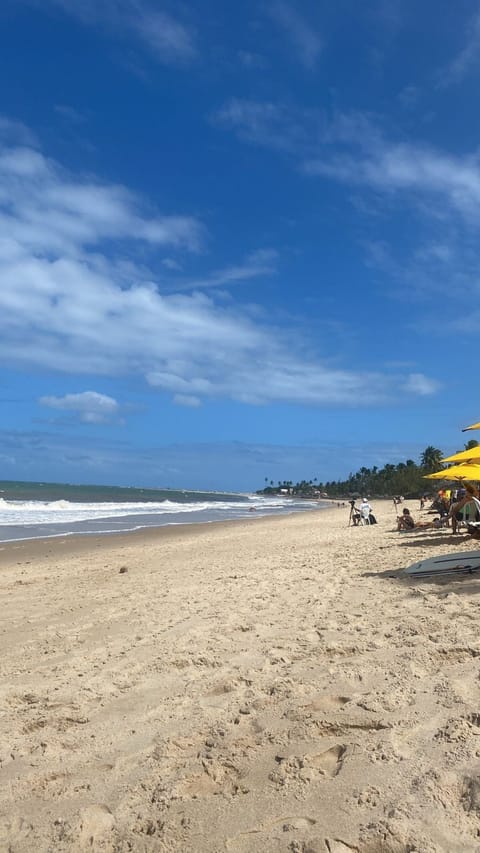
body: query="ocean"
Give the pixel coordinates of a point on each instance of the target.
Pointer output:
(39, 510)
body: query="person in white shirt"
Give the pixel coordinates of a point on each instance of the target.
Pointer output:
(366, 510)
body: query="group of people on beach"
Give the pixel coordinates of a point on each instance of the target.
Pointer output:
(450, 508)
(450, 512)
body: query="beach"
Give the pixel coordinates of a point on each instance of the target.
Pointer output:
(268, 684)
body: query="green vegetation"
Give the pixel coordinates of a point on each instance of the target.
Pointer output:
(405, 478)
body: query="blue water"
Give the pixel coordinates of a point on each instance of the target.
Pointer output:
(38, 510)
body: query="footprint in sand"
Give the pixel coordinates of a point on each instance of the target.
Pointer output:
(334, 845)
(96, 825)
(329, 763)
(243, 843)
(471, 794)
(327, 703)
(15, 832)
(309, 767)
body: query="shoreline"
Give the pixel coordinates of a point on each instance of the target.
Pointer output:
(136, 524)
(239, 686)
(77, 543)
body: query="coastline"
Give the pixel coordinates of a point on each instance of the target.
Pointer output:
(47, 519)
(262, 684)
(77, 544)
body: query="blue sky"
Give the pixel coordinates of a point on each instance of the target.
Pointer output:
(237, 241)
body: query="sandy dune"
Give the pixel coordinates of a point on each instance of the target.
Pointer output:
(254, 686)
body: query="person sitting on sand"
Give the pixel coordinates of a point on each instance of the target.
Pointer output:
(407, 522)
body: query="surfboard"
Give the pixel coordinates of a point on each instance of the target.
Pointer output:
(467, 563)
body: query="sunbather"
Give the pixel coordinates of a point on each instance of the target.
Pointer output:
(407, 522)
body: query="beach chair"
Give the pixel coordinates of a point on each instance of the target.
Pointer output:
(467, 515)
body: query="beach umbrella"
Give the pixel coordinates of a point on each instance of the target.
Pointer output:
(472, 426)
(472, 455)
(456, 472)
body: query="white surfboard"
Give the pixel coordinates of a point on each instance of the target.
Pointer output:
(467, 562)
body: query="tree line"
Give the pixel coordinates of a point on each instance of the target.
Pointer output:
(405, 478)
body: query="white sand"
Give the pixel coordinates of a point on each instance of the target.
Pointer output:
(253, 686)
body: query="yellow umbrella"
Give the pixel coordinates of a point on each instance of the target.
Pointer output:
(456, 472)
(465, 456)
(472, 426)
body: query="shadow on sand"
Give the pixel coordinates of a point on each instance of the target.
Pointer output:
(435, 539)
(464, 582)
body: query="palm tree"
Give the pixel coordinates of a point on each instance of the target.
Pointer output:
(431, 459)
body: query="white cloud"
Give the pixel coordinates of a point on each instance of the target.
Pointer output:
(187, 400)
(45, 210)
(469, 56)
(84, 308)
(12, 131)
(92, 408)
(441, 188)
(70, 114)
(165, 36)
(272, 125)
(467, 323)
(307, 43)
(441, 269)
(222, 465)
(171, 264)
(421, 385)
(408, 168)
(353, 149)
(270, 374)
(263, 262)
(170, 40)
